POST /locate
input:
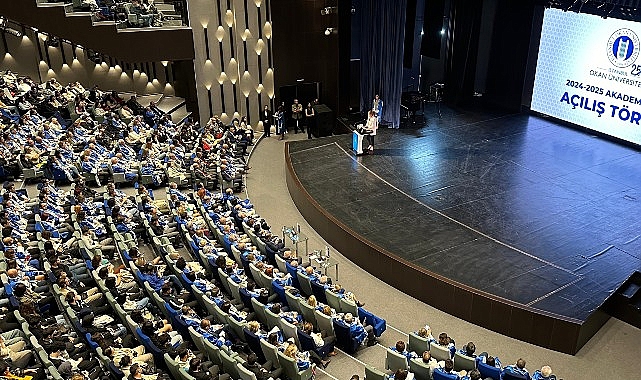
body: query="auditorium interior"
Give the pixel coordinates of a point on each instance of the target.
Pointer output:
(166, 214)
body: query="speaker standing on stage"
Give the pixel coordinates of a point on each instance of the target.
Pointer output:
(371, 127)
(266, 118)
(297, 115)
(310, 119)
(377, 107)
(281, 120)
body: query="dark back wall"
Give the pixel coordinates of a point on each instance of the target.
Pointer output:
(301, 48)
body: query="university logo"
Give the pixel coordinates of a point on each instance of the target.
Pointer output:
(623, 48)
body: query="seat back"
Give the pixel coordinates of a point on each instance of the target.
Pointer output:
(184, 375)
(289, 330)
(439, 352)
(280, 291)
(219, 314)
(348, 306)
(255, 273)
(223, 280)
(270, 352)
(513, 376)
(293, 301)
(244, 373)
(372, 373)
(305, 283)
(324, 323)
(377, 323)
(197, 338)
(319, 292)
(344, 339)
(290, 368)
(418, 344)
(229, 364)
(463, 362)
(237, 327)
(420, 370)
(281, 263)
(234, 288)
(309, 313)
(394, 361)
(210, 306)
(260, 311)
(488, 371)
(439, 375)
(172, 366)
(273, 320)
(253, 341)
(213, 352)
(333, 300)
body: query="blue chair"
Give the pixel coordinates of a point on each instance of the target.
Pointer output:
(246, 298)
(280, 290)
(319, 291)
(91, 343)
(379, 324)
(514, 376)
(150, 346)
(344, 339)
(115, 371)
(307, 344)
(185, 280)
(253, 341)
(292, 271)
(88, 264)
(438, 375)
(271, 255)
(488, 371)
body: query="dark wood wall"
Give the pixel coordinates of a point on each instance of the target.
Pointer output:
(303, 51)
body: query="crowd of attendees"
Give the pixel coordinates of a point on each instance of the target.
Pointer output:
(82, 300)
(69, 132)
(145, 11)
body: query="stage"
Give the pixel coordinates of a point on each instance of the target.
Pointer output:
(509, 221)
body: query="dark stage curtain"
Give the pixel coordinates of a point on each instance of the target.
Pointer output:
(383, 35)
(464, 24)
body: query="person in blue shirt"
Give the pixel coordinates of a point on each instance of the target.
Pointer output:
(545, 373)
(518, 368)
(400, 348)
(468, 350)
(448, 369)
(446, 341)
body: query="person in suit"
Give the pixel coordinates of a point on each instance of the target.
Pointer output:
(518, 368)
(297, 115)
(310, 118)
(377, 107)
(262, 372)
(266, 118)
(197, 370)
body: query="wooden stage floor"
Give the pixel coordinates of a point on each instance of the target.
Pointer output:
(510, 206)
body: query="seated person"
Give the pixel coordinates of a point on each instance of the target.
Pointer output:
(446, 341)
(199, 371)
(426, 332)
(362, 333)
(262, 372)
(448, 369)
(545, 373)
(468, 350)
(518, 368)
(400, 348)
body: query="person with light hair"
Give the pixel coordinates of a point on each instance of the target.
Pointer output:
(545, 373)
